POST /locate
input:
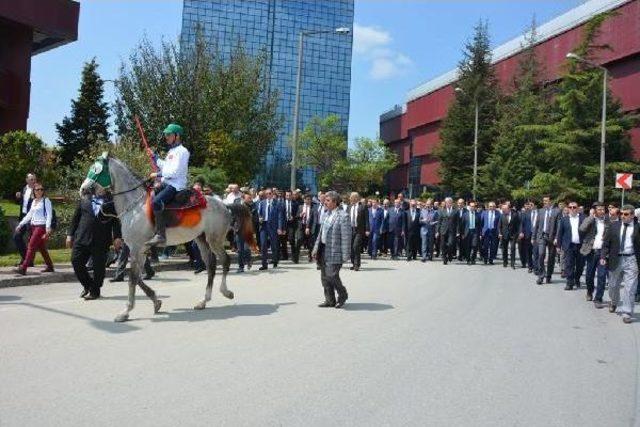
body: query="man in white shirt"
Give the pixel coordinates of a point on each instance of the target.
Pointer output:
(234, 196)
(569, 239)
(24, 199)
(173, 178)
(593, 229)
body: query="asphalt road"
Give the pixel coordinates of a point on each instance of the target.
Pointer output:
(416, 345)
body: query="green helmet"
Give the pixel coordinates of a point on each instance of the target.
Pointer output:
(173, 128)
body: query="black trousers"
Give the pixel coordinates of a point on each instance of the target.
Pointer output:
(80, 254)
(294, 241)
(448, 245)
(330, 278)
(413, 240)
(526, 252)
(573, 264)
(470, 246)
(18, 240)
(356, 248)
(508, 247)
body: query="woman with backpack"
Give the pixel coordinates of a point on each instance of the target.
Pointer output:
(40, 218)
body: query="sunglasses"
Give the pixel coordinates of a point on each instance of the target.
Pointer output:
(573, 207)
(625, 214)
(38, 189)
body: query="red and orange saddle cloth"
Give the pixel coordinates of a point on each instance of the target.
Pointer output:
(185, 210)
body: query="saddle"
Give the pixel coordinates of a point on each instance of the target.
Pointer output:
(185, 210)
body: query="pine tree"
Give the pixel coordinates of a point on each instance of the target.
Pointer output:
(88, 120)
(571, 147)
(476, 82)
(512, 161)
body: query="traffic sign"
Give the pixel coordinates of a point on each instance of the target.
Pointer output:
(624, 181)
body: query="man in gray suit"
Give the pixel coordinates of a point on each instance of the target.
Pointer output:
(546, 229)
(332, 249)
(593, 229)
(447, 230)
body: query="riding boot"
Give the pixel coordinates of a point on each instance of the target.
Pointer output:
(160, 237)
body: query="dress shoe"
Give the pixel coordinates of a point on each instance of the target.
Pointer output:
(627, 319)
(84, 293)
(262, 268)
(92, 296)
(599, 304)
(21, 271)
(47, 270)
(149, 276)
(356, 268)
(352, 268)
(568, 288)
(340, 304)
(275, 265)
(548, 280)
(240, 270)
(612, 308)
(504, 265)
(116, 279)
(530, 270)
(539, 281)
(578, 284)
(490, 262)
(326, 304)
(513, 267)
(199, 270)
(589, 296)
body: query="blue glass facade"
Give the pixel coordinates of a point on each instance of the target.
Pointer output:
(275, 25)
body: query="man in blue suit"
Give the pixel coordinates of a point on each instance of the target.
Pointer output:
(470, 232)
(271, 217)
(569, 239)
(428, 223)
(376, 217)
(489, 235)
(396, 229)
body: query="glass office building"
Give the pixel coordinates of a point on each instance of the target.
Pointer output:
(274, 26)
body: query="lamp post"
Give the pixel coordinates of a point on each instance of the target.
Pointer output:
(603, 127)
(296, 105)
(475, 143)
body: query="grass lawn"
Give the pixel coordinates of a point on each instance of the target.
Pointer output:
(10, 208)
(59, 256)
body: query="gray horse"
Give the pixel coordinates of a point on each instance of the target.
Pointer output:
(207, 226)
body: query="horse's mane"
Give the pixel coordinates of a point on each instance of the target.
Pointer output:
(123, 165)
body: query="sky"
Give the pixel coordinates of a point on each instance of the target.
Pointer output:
(398, 44)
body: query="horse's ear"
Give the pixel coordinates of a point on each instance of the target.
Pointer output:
(105, 155)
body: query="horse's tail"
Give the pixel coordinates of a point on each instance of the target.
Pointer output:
(242, 215)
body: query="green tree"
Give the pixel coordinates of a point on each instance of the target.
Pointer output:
(323, 147)
(89, 115)
(512, 160)
(225, 106)
(367, 164)
(20, 153)
(569, 161)
(476, 83)
(5, 232)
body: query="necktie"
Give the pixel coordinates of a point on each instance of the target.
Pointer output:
(472, 222)
(624, 237)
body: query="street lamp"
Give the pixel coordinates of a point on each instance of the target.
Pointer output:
(475, 143)
(296, 106)
(603, 130)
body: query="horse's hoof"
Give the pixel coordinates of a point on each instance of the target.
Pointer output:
(200, 306)
(229, 294)
(156, 306)
(121, 318)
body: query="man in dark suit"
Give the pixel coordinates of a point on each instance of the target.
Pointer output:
(470, 235)
(593, 229)
(376, 218)
(527, 221)
(509, 232)
(621, 254)
(489, 234)
(396, 229)
(290, 208)
(306, 223)
(569, 239)
(384, 228)
(359, 220)
(462, 255)
(447, 230)
(546, 230)
(428, 224)
(93, 227)
(272, 222)
(24, 199)
(412, 229)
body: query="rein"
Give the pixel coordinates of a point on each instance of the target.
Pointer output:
(128, 208)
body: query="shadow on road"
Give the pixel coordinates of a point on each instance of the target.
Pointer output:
(9, 298)
(367, 306)
(220, 313)
(139, 297)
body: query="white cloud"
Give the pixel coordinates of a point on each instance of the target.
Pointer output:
(372, 44)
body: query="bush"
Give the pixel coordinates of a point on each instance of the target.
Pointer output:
(5, 232)
(20, 153)
(214, 177)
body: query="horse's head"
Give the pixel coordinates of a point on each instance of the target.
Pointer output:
(98, 176)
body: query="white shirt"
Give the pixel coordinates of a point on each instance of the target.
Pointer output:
(354, 215)
(174, 167)
(575, 233)
(325, 226)
(26, 195)
(36, 215)
(305, 214)
(96, 204)
(597, 242)
(627, 247)
(231, 198)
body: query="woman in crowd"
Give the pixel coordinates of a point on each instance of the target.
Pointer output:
(39, 218)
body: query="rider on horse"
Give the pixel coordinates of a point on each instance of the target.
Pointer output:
(173, 178)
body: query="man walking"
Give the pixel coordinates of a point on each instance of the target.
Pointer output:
(593, 229)
(509, 232)
(448, 230)
(332, 249)
(306, 225)
(271, 218)
(376, 217)
(359, 219)
(489, 235)
(412, 230)
(470, 233)
(428, 223)
(24, 198)
(548, 218)
(396, 229)
(621, 254)
(569, 239)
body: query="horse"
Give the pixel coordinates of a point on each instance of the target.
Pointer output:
(207, 225)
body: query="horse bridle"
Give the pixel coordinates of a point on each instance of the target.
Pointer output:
(120, 193)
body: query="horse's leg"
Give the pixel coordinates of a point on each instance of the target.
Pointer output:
(209, 260)
(218, 249)
(151, 294)
(134, 277)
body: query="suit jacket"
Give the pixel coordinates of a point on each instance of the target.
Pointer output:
(465, 231)
(396, 220)
(308, 222)
(485, 221)
(526, 223)
(589, 229)
(564, 232)
(19, 202)
(412, 226)
(276, 215)
(459, 221)
(447, 222)
(429, 220)
(376, 218)
(293, 219)
(510, 230)
(552, 223)
(384, 228)
(87, 229)
(337, 249)
(362, 220)
(611, 244)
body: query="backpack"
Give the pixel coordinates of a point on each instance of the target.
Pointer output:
(54, 217)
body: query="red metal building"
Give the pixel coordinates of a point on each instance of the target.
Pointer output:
(412, 130)
(28, 27)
